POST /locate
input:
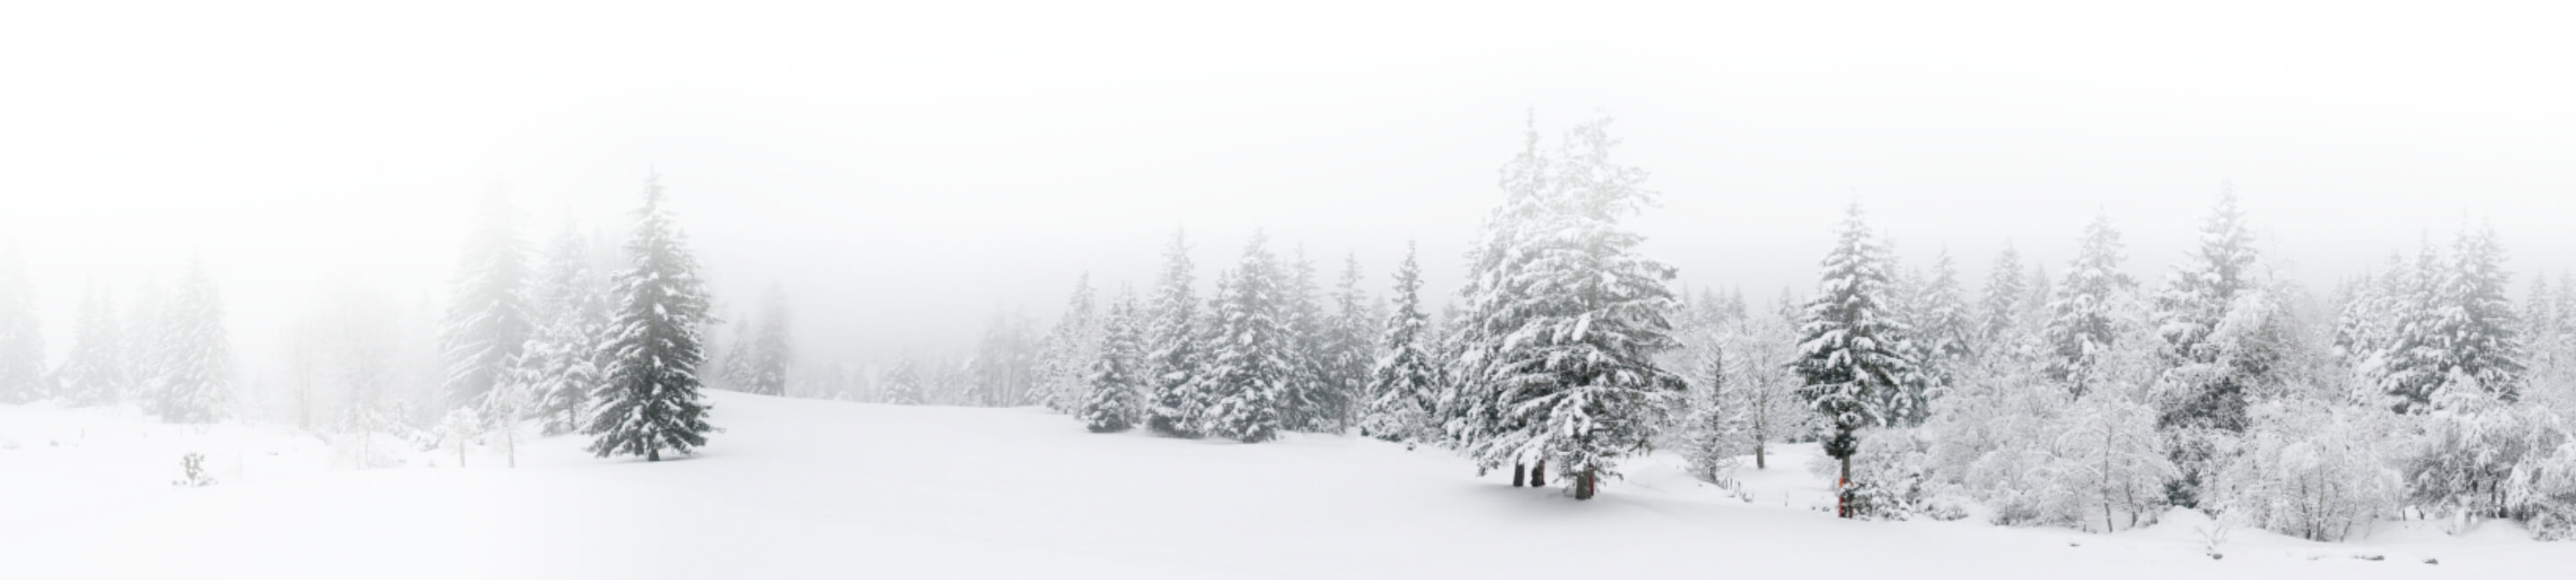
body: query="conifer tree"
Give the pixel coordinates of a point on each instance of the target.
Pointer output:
(487, 317)
(1402, 385)
(1471, 410)
(22, 344)
(1853, 347)
(2091, 309)
(1068, 351)
(1171, 409)
(562, 363)
(1348, 348)
(95, 372)
(2205, 381)
(195, 353)
(2475, 321)
(1577, 384)
(1313, 402)
(2006, 293)
(1251, 371)
(650, 401)
(903, 384)
(771, 352)
(1113, 402)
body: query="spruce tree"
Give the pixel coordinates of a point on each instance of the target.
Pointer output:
(195, 353)
(1577, 382)
(2092, 308)
(1113, 403)
(2002, 306)
(1313, 402)
(1251, 371)
(1349, 347)
(1853, 347)
(2475, 320)
(903, 384)
(1068, 351)
(562, 363)
(1170, 360)
(95, 372)
(1402, 385)
(650, 401)
(772, 353)
(2205, 381)
(487, 316)
(1471, 410)
(22, 342)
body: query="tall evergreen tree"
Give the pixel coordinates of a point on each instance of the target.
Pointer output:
(195, 353)
(1113, 402)
(563, 362)
(1402, 385)
(771, 352)
(22, 342)
(650, 401)
(1250, 370)
(903, 383)
(1943, 335)
(2091, 308)
(1313, 399)
(1172, 408)
(95, 373)
(1348, 348)
(487, 316)
(1068, 351)
(2475, 320)
(2005, 298)
(1854, 347)
(1471, 410)
(2205, 381)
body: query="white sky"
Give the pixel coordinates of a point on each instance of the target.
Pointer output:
(904, 168)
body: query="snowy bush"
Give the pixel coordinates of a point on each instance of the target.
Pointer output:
(1892, 477)
(2314, 473)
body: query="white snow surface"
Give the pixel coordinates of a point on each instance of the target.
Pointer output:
(817, 489)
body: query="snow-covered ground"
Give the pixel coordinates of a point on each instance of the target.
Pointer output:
(815, 489)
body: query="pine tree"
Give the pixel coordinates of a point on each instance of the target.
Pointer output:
(195, 354)
(1113, 403)
(1068, 350)
(771, 353)
(2205, 381)
(22, 344)
(1251, 371)
(2004, 302)
(1313, 399)
(2092, 308)
(562, 363)
(487, 316)
(903, 384)
(2476, 321)
(1402, 385)
(1471, 410)
(650, 400)
(1943, 339)
(1170, 366)
(1578, 385)
(95, 373)
(1853, 347)
(1348, 348)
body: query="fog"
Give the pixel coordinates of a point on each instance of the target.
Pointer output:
(903, 170)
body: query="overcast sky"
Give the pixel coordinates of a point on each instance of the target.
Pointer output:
(903, 169)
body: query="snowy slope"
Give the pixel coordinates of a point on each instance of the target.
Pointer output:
(811, 489)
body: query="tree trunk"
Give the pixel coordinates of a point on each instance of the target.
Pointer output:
(653, 454)
(1757, 453)
(1842, 491)
(1520, 474)
(1538, 474)
(1583, 484)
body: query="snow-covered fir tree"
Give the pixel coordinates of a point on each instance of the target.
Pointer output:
(2092, 308)
(1402, 386)
(1005, 368)
(1347, 350)
(1943, 334)
(650, 400)
(770, 352)
(2474, 320)
(1852, 346)
(1315, 399)
(1170, 340)
(562, 363)
(487, 322)
(1250, 371)
(903, 383)
(194, 366)
(1068, 350)
(1114, 401)
(2006, 297)
(95, 372)
(1578, 384)
(22, 342)
(1470, 410)
(2203, 388)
